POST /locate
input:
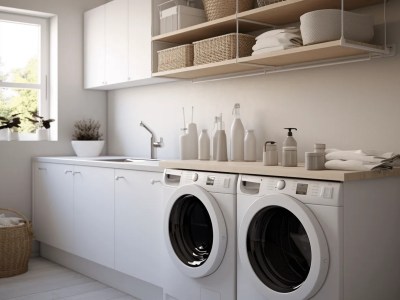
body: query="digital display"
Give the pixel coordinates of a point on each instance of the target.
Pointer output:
(301, 189)
(210, 180)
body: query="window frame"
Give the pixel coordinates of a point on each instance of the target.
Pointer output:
(44, 68)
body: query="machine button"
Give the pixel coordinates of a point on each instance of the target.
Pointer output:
(195, 177)
(327, 192)
(280, 185)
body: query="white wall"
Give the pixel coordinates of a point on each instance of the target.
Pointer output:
(73, 102)
(346, 106)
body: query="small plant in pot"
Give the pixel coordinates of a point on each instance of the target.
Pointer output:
(42, 125)
(87, 138)
(10, 124)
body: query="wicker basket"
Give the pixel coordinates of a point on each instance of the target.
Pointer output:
(175, 58)
(222, 48)
(267, 2)
(15, 247)
(216, 9)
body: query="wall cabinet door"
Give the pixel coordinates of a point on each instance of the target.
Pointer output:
(138, 224)
(94, 214)
(94, 47)
(53, 210)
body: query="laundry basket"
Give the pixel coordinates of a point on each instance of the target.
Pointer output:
(216, 9)
(15, 246)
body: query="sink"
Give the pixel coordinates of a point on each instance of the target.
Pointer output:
(126, 160)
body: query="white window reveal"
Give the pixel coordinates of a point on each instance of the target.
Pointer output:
(24, 71)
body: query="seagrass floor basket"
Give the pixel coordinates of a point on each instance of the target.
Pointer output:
(216, 9)
(222, 48)
(15, 246)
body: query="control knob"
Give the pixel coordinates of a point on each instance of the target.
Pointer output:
(195, 177)
(280, 185)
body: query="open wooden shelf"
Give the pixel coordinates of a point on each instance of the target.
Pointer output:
(280, 13)
(305, 54)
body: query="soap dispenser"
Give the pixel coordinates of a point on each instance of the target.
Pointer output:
(270, 154)
(289, 150)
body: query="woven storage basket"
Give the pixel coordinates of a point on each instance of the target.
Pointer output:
(222, 48)
(175, 58)
(267, 2)
(15, 247)
(216, 9)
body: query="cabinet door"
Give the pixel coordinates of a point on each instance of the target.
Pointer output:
(53, 215)
(140, 19)
(94, 47)
(94, 214)
(116, 41)
(138, 224)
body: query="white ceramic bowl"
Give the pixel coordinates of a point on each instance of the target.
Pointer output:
(325, 25)
(87, 148)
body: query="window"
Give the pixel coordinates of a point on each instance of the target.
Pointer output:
(24, 68)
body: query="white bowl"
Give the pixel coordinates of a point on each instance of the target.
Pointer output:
(325, 25)
(87, 148)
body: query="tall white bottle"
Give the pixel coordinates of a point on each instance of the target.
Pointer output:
(250, 146)
(237, 136)
(204, 145)
(214, 139)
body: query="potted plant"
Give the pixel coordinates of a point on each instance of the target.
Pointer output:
(42, 126)
(87, 138)
(12, 125)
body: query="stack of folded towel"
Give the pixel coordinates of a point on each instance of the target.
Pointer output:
(360, 160)
(10, 221)
(277, 39)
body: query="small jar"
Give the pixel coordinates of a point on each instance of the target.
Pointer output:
(314, 161)
(319, 148)
(270, 154)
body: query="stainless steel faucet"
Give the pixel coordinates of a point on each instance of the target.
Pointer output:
(153, 143)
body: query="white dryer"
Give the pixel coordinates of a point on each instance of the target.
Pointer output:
(304, 239)
(200, 235)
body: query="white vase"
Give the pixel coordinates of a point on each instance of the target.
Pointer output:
(87, 148)
(4, 134)
(43, 134)
(13, 135)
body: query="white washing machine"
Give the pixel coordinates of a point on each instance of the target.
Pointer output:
(304, 239)
(200, 235)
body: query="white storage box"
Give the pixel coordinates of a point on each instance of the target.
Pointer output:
(325, 25)
(180, 16)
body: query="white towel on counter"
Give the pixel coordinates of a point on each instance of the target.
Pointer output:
(355, 165)
(360, 160)
(10, 221)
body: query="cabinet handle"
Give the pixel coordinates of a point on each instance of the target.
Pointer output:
(154, 181)
(42, 169)
(67, 171)
(74, 173)
(119, 177)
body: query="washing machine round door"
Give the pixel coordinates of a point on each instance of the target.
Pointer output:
(282, 248)
(195, 231)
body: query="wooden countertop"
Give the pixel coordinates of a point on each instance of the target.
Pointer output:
(257, 168)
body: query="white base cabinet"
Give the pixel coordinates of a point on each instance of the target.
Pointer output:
(109, 216)
(138, 224)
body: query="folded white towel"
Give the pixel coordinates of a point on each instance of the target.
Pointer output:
(10, 221)
(273, 32)
(272, 49)
(369, 156)
(354, 165)
(286, 39)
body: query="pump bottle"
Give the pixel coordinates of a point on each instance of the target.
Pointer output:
(289, 150)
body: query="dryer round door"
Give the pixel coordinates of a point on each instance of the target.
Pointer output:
(282, 248)
(195, 231)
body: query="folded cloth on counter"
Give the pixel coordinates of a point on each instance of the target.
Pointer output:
(360, 160)
(355, 165)
(10, 221)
